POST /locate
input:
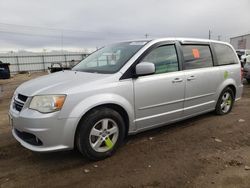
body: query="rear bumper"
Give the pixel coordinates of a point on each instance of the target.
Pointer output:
(239, 92)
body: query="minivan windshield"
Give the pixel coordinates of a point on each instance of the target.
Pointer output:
(109, 59)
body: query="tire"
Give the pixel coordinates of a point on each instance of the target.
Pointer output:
(248, 80)
(100, 133)
(225, 102)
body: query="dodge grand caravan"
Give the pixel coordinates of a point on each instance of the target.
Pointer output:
(122, 89)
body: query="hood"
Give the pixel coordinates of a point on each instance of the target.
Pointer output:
(59, 82)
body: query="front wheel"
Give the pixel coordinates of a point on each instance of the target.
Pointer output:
(100, 133)
(225, 102)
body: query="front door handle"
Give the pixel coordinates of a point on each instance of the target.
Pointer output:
(176, 80)
(191, 78)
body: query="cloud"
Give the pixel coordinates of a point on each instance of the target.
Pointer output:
(91, 23)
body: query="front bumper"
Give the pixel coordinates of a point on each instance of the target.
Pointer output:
(42, 132)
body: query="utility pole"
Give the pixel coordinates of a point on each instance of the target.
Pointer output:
(209, 33)
(62, 41)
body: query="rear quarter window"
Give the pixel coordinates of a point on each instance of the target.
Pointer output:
(225, 54)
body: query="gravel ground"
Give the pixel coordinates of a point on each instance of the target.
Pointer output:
(205, 151)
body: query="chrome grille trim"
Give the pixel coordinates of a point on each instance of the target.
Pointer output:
(19, 102)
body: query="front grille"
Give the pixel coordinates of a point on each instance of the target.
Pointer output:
(18, 105)
(29, 138)
(22, 97)
(19, 102)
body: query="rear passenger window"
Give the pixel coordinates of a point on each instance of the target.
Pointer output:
(197, 56)
(225, 55)
(164, 58)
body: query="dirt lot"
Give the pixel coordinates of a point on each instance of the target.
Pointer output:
(206, 151)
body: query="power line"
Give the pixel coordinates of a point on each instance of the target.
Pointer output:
(49, 36)
(63, 29)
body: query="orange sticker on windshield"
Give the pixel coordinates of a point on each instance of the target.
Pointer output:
(196, 53)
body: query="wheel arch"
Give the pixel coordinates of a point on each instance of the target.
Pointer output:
(121, 110)
(231, 86)
(218, 108)
(227, 83)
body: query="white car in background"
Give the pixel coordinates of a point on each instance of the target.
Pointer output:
(244, 55)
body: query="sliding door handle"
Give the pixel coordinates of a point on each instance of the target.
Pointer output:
(176, 80)
(191, 78)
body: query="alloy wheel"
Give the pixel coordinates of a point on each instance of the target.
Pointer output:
(226, 102)
(104, 135)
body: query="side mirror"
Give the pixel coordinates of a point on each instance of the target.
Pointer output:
(145, 68)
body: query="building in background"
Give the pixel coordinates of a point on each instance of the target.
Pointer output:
(241, 42)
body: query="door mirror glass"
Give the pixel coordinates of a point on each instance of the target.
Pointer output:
(145, 68)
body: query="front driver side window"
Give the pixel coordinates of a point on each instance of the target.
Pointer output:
(164, 58)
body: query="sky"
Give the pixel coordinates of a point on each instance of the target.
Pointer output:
(82, 24)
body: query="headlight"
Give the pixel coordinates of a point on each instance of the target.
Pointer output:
(47, 103)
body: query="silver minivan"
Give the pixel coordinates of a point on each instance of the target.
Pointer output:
(122, 89)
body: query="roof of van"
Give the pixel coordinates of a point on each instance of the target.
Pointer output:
(188, 39)
(178, 39)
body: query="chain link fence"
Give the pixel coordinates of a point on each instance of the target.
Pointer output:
(41, 62)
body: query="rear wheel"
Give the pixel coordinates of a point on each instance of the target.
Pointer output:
(100, 133)
(225, 102)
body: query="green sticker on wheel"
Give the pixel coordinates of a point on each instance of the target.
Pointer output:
(229, 102)
(108, 143)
